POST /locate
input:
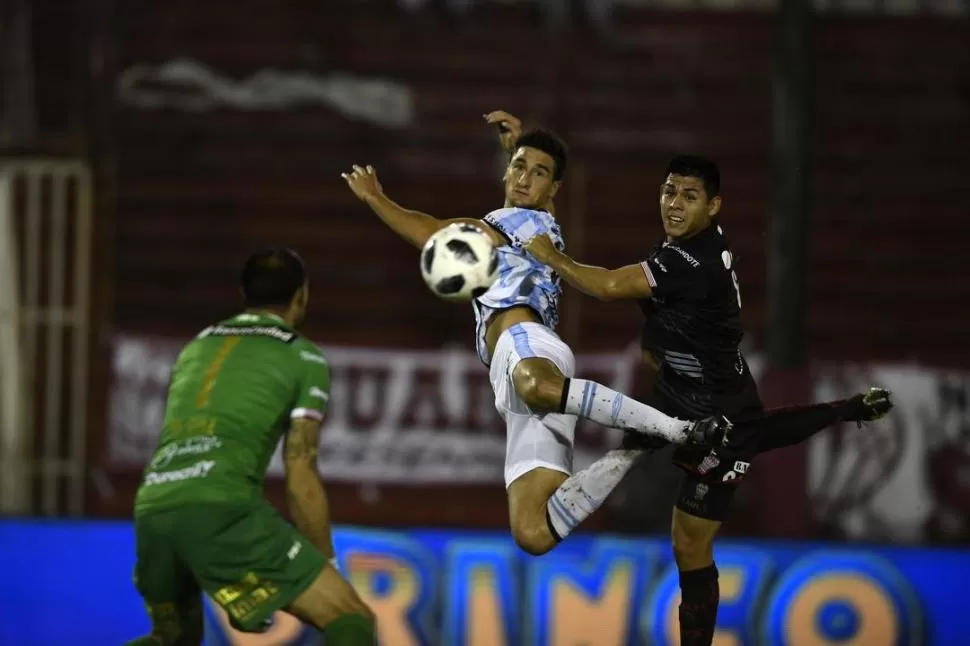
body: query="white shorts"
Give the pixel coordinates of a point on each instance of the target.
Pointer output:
(534, 439)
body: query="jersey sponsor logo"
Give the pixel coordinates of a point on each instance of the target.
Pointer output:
(686, 256)
(192, 446)
(253, 330)
(197, 470)
(312, 357)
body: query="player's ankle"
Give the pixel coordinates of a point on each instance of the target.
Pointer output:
(852, 409)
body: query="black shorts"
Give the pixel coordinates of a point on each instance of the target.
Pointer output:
(712, 473)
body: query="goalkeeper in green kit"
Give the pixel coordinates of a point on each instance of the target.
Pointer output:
(201, 520)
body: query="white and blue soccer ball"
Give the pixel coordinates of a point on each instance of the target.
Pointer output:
(459, 263)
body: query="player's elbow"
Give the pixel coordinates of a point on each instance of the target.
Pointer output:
(609, 291)
(420, 238)
(430, 225)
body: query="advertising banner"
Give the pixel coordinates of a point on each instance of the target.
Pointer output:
(432, 588)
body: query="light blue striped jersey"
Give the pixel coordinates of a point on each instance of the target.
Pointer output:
(522, 280)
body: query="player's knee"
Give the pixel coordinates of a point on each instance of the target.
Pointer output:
(534, 538)
(539, 383)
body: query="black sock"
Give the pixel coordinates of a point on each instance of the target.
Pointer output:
(552, 528)
(565, 395)
(699, 596)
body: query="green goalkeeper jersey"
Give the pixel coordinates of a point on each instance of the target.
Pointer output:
(233, 391)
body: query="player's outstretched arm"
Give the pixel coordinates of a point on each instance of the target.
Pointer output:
(628, 282)
(305, 495)
(414, 226)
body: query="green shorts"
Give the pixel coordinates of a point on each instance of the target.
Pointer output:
(243, 555)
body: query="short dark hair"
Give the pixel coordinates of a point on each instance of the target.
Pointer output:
(700, 167)
(272, 277)
(548, 142)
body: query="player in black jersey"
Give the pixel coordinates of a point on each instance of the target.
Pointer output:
(689, 293)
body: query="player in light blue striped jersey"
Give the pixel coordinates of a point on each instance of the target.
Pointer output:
(530, 368)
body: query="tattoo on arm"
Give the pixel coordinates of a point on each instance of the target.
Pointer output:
(300, 447)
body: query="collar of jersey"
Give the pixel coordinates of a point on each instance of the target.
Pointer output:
(698, 238)
(264, 315)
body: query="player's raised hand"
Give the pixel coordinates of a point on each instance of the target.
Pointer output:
(363, 182)
(542, 248)
(509, 128)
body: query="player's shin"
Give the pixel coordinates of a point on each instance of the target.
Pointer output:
(605, 406)
(583, 492)
(783, 427)
(788, 426)
(700, 595)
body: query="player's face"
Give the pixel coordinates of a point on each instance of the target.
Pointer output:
(684, 206)
(529, 179)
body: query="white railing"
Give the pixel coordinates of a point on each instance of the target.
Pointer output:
(45, 276)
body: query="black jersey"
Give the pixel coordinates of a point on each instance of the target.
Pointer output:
(693, 325)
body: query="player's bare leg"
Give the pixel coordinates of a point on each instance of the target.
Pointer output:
(529, 498)
(546, 505)
(693, 543)
(331, 605)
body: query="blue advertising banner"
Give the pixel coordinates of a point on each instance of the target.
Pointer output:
(71, 582)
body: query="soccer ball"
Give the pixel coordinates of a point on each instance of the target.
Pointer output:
(459, 262)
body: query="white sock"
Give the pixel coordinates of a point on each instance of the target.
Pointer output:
(607, 407)
(583, 493)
